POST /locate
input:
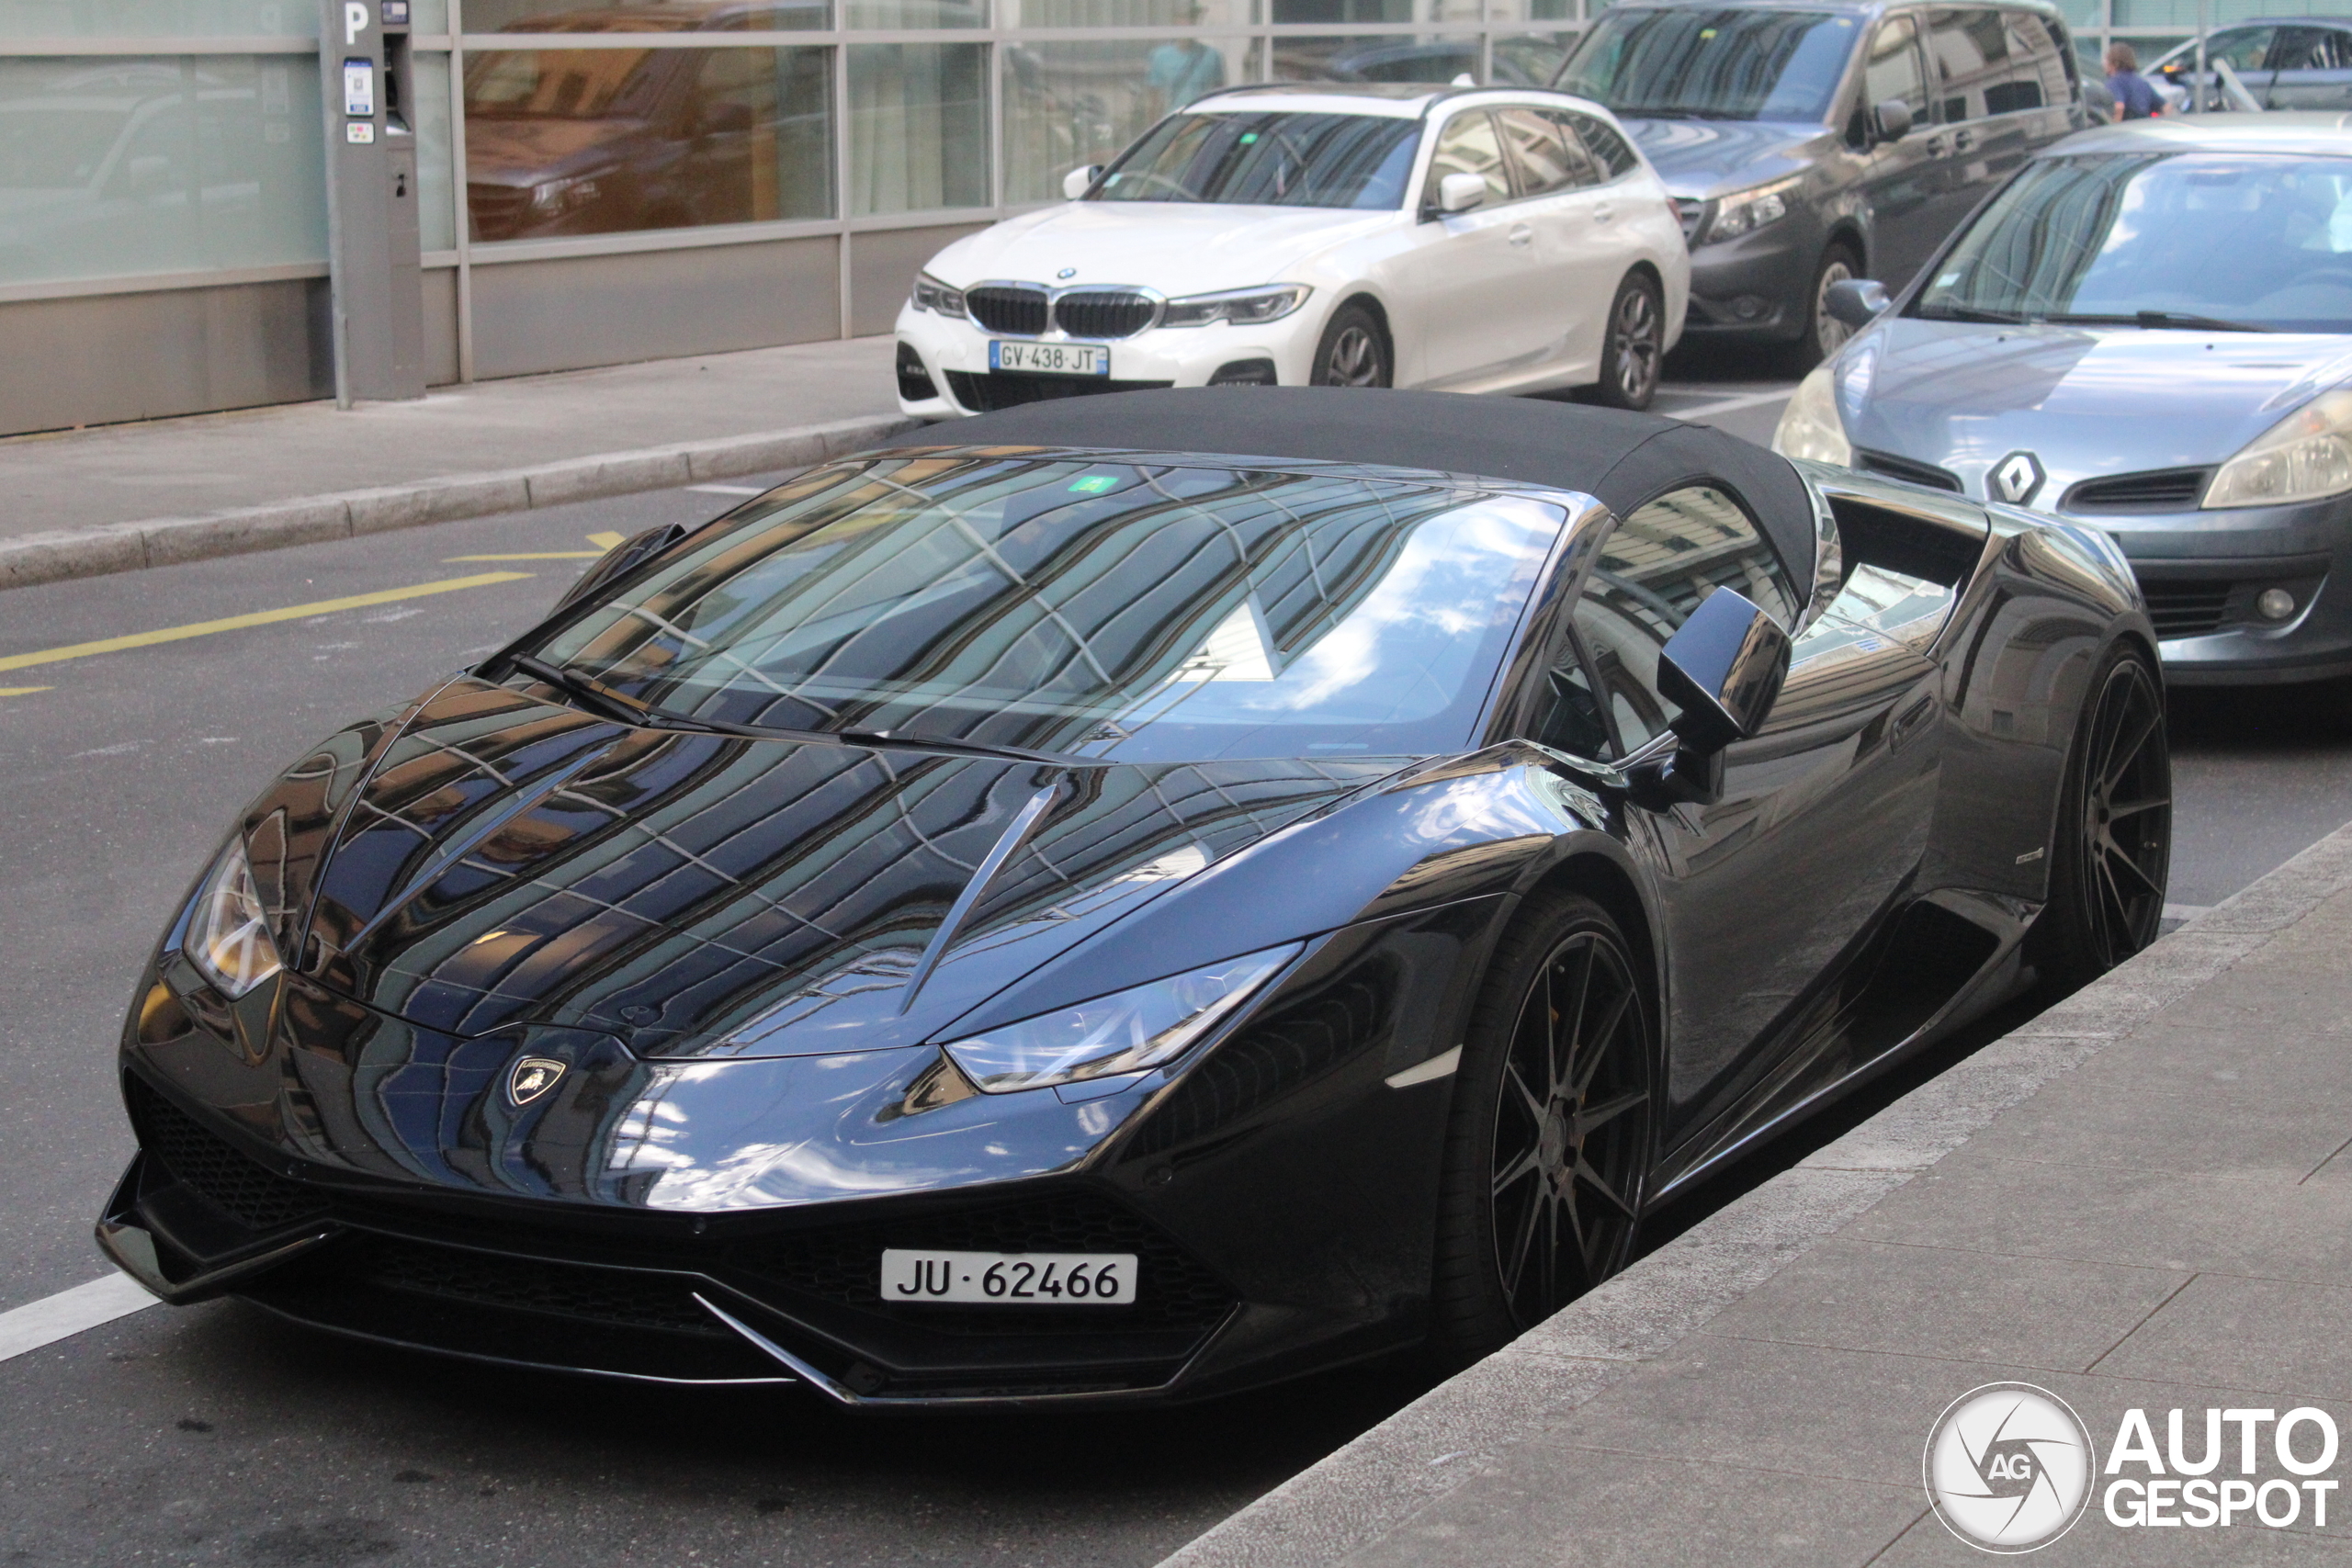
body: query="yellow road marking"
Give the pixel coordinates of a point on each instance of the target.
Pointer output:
(607, 540)
(257, 618)
(536, 555)
(23, 691)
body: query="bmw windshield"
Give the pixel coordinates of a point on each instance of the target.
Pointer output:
(2214, 241)
(1121, 609)
(1688, 63)
(1269, 159)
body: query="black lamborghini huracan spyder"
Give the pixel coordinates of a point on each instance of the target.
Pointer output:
(1164, 893)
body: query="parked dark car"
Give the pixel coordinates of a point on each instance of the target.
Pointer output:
(1061, 914)
(1808, 143)
(2287, 63)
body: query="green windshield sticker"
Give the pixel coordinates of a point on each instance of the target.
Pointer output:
(1093, 484)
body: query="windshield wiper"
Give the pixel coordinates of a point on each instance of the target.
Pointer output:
(593, 693)
(1971, 313)
(2155, 318)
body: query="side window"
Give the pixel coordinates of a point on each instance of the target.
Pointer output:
(1652, 569)
(1614, 153)
(1890, 73)
(1543, 157)
(2037, 67)
(1968, 52)
(1569, 716)
(2246, 49)
(1468, 146)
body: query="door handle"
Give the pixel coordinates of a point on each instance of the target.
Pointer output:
(1935, 146)
(1963, 142)
(1603, 213)
(1521, 234)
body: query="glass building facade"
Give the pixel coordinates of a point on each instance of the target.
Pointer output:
(609, 180)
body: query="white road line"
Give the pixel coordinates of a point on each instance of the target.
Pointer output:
(1725, 405)
(66, 1313)
(729, 490)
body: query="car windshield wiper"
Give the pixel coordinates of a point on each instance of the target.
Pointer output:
(2154, 318)
(1970, 313)
(593, 693)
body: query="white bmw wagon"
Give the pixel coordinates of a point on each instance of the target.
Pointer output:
(1469, 240)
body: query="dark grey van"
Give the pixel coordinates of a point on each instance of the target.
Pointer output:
(1807, 142)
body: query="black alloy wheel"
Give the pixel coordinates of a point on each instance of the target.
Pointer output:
(1353, 353)
(1633, 351)
(1823, 333)
(2114, 840)
(1549, 1150)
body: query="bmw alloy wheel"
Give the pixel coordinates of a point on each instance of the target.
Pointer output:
(1636, 344)
(1353, 358)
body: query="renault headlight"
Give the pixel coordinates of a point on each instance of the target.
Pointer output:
(1244, 306)
(228, 935)
(2306, 456)
(1810, 427)
(932, 295)
(1123, 1032)
(1745, 211)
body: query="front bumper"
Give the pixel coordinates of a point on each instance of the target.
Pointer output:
(1755, 289)
(952, 356)
(2202, 572)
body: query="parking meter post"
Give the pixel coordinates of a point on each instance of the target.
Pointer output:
(375, 261)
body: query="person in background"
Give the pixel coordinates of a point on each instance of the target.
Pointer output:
(2135, 96)
(1183, 71)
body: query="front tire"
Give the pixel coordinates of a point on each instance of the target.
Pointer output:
(1823, 333)
(1549, 1145)
(1633, 348)
(1353, 351)
(2113, 848)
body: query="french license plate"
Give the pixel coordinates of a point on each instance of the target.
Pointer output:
(1008, 1278)
(1050, 358)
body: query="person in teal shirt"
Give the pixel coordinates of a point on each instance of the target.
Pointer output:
(1184, 69)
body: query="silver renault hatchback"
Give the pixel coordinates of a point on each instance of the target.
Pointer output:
(2148, 330)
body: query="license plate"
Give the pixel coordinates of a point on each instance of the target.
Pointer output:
(1050, 358)
(1009, 1278)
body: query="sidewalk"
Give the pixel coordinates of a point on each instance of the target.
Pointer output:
(2141, 1199)
(121, 497)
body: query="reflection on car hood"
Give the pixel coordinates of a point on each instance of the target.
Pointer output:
(525, 151)
(2087, 401)
(510, 863)
(1702, 158)
(1176, 247)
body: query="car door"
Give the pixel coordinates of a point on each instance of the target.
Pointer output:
(2246, 51)
(1898, 178)
(2041, 89)
(1577, 252)
(1974, 144)
(1823, 817)
(1470, 278)
(2313, 70)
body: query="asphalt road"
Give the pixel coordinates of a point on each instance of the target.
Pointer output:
(208, 1436)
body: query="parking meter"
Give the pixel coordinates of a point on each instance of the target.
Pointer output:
(375, 260)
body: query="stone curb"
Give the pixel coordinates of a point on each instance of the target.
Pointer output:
(1366, 1491)
(65, 553)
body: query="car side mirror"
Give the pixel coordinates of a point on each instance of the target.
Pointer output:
(1460, 193)
(623, 558)
(1856, 302)
(1078, 182)
(1722, 671)
(1892, 119)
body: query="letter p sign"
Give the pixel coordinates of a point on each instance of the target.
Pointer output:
(354, 21)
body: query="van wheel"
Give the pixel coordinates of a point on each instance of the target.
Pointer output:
(1549, 1144)
(1825, 334)
(1634, 346)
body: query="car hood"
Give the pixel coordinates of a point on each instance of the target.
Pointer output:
(510, 865)
(1706, 158)
(1176, 247)
(2086, 401)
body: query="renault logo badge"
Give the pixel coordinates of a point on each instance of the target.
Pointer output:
(531, 1077)
(2017, 477)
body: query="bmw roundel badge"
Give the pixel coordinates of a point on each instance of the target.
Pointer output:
(1066, 272)
(531, 1077)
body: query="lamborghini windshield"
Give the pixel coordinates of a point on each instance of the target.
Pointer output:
(1136, 609)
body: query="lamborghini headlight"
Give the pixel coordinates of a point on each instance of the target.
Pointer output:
(228, 933)
(1126, 1031)
(2306, 456)
(1243, 306)
(1810, 427)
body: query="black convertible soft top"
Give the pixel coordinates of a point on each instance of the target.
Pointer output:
(1620, 460)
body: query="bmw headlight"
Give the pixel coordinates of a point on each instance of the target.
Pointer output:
(2306, 456)
(932, 295)
(1810, 428)
(1123, 1032)
(1247, 306)
(228, 934)
(1745, 211)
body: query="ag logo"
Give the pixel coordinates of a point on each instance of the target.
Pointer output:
(531, 1077)
(2017, 477)
(2009, 1467)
